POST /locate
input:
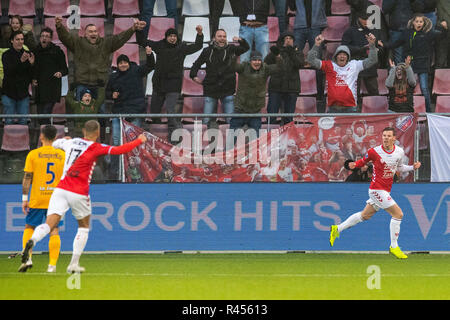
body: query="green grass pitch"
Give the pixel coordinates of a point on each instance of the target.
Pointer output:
(240, 276)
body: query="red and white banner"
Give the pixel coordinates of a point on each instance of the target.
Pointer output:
(312, 151)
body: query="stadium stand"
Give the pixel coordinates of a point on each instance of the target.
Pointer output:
(374, 104)
(158, 27)
(306, 105)
(443, 104)
(191, 88)
(189, 32)
(308, 84)
(59, 108)
(55, 8)
(419, 104)
(125, 8)
(274, 29)
(24, 8)
(195, 8)
(129, 49)
(441, 81)
(336, 28)
(193, 105)
(122, 24)
(92, 7)
(16, 137)
(231, 26)
(340, 7)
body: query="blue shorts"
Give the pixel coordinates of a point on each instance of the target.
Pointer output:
(36, 217)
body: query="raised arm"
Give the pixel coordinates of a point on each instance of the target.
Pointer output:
(313, 54)
(372, 59)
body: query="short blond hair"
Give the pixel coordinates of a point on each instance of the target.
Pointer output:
(91, 126)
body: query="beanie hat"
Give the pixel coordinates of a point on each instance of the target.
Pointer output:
(340, 49)
(123, 57)
(84, 91)
(255, 55)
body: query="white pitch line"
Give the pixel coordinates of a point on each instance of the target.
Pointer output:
(277, 275)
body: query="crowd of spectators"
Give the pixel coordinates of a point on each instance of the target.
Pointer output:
(409, 38)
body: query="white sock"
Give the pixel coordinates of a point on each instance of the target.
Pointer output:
(394, 228)
(350, 222)
(78, 244)
(40, 232)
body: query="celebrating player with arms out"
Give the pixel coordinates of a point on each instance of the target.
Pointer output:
(43, 169)
(73, 189)
(387, 160)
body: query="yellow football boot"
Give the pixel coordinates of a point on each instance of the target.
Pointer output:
(398, 253)
(334, 233)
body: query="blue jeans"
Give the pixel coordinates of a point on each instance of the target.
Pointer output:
(423, 80)
(252, 123)
(11, 106)
(284, 101)
(397, 52)
(147, 14)
(260, 36)
(280, 12)
(115, 124)
(304, 35)
(211, 106)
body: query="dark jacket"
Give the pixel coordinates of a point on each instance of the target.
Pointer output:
(260, 8)
(220, 79)
(168, 76)
(47, 62)
(419, 45)
(400, 11)
(251, 92)
(92, 61)
(17, 75)
(355, 39)
(130, 87)
(286, 79)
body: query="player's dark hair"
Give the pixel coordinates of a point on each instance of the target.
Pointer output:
(389, 129)
(89, 25)
(91, 126)
(15, 34)
(49, 132)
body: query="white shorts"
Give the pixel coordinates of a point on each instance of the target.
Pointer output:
(380, 199)
(63, 200)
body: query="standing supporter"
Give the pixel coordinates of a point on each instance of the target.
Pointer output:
(168, 76)
(401, 83)
(355, 39)
(147, 14)
(443, 46)
(49, 67)
(220, 79)
(399, 13)
(17, 66)
(342, 74)
(216, 10)
(310, 21)
(91, 54)
(253, 19)
(417, 41)
(251, 92)
(281, 14)
(284, 85)
(125, 88)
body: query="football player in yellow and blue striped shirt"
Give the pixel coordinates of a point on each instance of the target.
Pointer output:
(43, 169)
